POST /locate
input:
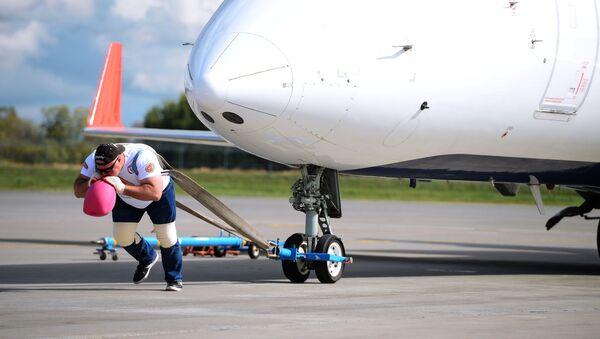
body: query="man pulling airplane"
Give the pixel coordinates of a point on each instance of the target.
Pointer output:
(135, 172)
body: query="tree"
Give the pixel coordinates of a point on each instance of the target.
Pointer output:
(9, 122)
(57, 123)
(13, 128)
(173, 115)
(63, 126)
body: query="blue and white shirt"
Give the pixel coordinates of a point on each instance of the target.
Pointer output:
(141, 163)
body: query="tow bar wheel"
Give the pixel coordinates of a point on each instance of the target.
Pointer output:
(253, 251)
(296, 271)
(327, 271)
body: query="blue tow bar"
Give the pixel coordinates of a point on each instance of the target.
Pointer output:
(293, 255)
(109, 244)
(233, 242)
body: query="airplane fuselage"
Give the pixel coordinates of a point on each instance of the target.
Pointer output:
(436, 85)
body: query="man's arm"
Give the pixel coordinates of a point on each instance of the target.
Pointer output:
(80, 185)
(149, 189)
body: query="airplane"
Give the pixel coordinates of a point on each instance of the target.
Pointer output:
(491, 91)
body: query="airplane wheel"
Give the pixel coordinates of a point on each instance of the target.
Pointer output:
(115, 257)
(253, 251)
(102, 255)
(329, 272)
(219, 252)
(296, 271)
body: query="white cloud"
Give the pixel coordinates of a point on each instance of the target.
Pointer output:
(15, 8)
(190, 14)
(70, 8)
(164, 74)
(153, 55)
(136, 10)
(49, 88)
(51, 51)
(16, 47)
(61, 10)
(194, 14)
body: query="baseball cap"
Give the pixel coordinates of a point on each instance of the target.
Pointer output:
(106, 153)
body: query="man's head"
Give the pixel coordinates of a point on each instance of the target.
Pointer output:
(109, 159)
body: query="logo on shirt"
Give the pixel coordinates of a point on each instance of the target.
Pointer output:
(130, 169)
(150, 168)
(85, 165)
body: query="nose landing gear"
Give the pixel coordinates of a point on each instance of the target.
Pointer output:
(317, 195)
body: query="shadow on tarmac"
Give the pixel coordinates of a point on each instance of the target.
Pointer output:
(469, 259)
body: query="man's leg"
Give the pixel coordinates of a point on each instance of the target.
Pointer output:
(163, 213)
(126, 236)
(125, 221)
(170, 251)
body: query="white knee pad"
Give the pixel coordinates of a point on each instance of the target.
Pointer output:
(166, 234)
(124, 233)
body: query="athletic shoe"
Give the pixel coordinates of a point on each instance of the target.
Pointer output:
(175, 286)
(142, 271)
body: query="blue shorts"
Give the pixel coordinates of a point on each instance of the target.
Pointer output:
(160, 212)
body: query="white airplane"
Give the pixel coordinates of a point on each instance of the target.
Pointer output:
(497, 91)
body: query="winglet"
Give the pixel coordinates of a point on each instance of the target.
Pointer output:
(106, 108)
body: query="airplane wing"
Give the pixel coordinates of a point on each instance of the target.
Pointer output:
(171, 135)
(105, 116)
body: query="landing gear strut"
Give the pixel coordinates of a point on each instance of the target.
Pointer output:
(317, 195)
(591, 202)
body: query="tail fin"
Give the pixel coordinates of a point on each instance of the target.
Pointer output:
(106, 108)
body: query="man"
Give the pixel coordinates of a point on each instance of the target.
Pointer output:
(135, 172)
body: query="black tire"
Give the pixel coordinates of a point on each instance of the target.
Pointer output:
(102, 255)
(219, 252)
(253, 251)
(329, 272)
(296, 271)
(115, 257)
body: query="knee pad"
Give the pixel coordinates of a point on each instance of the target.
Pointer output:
(124, 233)
(166, 234)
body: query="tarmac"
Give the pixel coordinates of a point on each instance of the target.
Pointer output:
(427, 270)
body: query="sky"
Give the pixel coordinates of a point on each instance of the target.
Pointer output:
(52, 51)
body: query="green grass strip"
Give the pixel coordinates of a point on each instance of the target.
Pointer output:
(255, 183)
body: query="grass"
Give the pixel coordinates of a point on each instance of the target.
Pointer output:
(258, 183)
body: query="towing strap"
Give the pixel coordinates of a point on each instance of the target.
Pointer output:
(202, 217)
(238, 226)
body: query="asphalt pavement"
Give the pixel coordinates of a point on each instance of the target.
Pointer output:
(420, 270)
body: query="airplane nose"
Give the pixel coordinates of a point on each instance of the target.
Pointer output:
(249, 77)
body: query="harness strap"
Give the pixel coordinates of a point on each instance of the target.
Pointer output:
(235, 224)
(204, 218)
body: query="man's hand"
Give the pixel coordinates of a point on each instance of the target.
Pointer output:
(116, 183)
(95, 177)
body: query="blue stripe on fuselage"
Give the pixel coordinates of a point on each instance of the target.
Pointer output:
(486, 168)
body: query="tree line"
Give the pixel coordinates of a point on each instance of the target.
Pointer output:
(58, 139)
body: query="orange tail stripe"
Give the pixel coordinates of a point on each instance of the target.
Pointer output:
(106, 108)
